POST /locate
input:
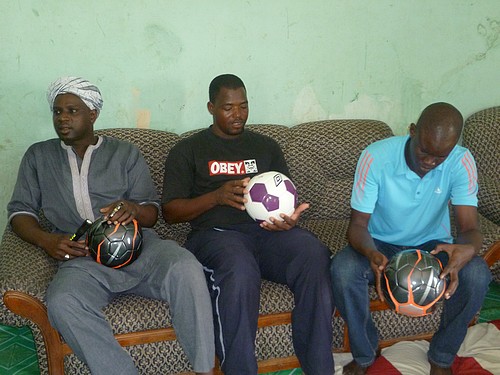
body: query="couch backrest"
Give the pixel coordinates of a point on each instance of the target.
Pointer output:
(322, 158)
(154, 145)
(481, 135)
(321, 155)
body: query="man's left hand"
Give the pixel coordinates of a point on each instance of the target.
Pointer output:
(120, 212)
(458, 257)
(288, 222)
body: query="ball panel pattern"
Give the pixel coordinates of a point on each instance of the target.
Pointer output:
(114, 245)
(411, 282)
(269, 195)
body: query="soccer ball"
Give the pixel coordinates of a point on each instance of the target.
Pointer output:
(269, 195)
(114, 245)
(411, 283)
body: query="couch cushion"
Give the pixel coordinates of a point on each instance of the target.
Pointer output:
(322, 158)
(481, 136)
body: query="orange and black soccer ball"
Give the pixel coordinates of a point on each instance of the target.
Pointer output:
(411, 282)
(114, 245)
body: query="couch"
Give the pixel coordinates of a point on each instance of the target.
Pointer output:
(322, 157)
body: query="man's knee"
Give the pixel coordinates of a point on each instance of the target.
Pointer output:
(343, 264)
(348, 270)
(309, 250)
(187, 270)
(475, 275)
(61, 306)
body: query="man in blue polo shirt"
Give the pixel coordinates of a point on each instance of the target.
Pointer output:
(400, 199)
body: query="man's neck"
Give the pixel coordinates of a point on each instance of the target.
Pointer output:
(81, 147)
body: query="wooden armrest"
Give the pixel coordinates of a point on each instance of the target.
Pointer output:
(493, 254)
(34, 310)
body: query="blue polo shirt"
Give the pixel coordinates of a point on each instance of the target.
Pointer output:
(405, 209)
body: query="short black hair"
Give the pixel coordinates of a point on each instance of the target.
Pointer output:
(229, 81)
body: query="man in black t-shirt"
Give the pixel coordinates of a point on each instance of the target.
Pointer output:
(205, 178)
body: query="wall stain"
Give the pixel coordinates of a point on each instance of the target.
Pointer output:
(35, 12)
(100, 27)
(490, 31)
(4, 147)
(162, 43)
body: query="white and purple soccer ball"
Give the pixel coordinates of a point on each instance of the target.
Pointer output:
(269, 195)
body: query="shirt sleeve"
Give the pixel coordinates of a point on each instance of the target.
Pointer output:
(26, 198)
(365, 187)
(141, 186)
(278, 160)
(178, 180)
(464, 186)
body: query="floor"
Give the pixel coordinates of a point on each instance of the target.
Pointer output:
(18, 356)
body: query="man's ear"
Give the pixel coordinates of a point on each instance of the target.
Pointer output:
(210, 107)
(94, 114)
(413, 129)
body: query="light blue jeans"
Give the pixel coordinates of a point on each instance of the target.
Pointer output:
(351, 276)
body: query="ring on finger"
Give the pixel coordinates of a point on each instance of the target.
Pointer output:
(66, 256)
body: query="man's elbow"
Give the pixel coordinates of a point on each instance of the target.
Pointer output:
(168, 214)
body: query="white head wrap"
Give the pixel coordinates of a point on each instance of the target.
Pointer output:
(78, 86)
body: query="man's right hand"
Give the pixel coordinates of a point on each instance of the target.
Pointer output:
(231, 193)
(378, 261)
(60, 247)
(56, 245)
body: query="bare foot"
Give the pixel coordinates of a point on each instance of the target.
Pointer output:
(436, 370)
(352, 368)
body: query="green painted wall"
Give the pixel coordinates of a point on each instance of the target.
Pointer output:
(300, 60)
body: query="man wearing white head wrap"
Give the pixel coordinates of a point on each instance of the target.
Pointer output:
(79, 176)
(78, 86)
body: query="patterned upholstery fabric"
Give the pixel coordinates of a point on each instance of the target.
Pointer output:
(322, 158)
(481, 136)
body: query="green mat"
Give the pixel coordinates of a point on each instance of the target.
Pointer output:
(18, 355)
(17, 352)
(491, 305)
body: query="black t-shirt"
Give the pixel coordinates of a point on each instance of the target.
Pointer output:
(203, 162)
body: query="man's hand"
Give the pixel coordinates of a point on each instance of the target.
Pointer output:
(120, 212)
(287, 223)
(458, 257)
(231, 193)
(60, 247)
(186, 209)
(57, 245)
(378, 261)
